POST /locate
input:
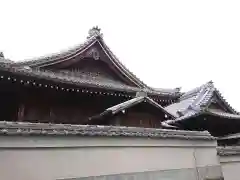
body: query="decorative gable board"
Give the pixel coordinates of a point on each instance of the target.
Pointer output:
(216, 103)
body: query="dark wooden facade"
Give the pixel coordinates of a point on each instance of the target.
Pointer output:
(139, 115)
(48, 106)
(20, 103)
(72, 86)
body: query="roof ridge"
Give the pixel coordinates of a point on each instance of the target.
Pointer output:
(137, 100)
(201, 101)
(56, 55)
(225, 102)
(210, 84)
(196, 90)
(176, 90)
(94, 35)
(202, 95)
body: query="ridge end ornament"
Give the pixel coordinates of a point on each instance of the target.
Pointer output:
(94, 31)
(1, 54)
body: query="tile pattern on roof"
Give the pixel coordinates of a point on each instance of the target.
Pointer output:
(128, 104)
(230, 136)
(43, 129)
(223, 114)
(119, 107)
(3, 59)
(56, 56)
(196, 101)
(95, 36)
(103, 83)
(228, 150)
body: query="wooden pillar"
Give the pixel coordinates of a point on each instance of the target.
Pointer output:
(21, 110)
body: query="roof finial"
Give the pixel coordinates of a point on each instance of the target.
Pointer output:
(178, 88)
(1, 55)
(94, 31)
(210, 82)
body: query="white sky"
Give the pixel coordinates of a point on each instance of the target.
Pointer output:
(167, 44)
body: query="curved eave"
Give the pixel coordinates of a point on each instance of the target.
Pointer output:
(55, 57)
(78, 50)
(206, 112)
(78, 83)
(137, 100)
(225, 102)
(203, 96)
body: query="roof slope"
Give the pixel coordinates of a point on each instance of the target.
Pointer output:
(128, 104)
(4, 60)
(95, 36)
(137, 100)
(80, 82)
(197, 101)
(230, 136)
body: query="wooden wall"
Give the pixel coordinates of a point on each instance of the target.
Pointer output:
(28, 103)
(19, 103)
(63, 107)
(139, 116)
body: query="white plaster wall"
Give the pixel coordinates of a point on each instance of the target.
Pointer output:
(230, 167)
(38, 158)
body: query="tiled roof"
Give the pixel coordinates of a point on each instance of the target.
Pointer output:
(230, 136)
(3, 59)
(196, 101)
(42, 129)
(127, 104)
(60, 55)
(228, 150)
(223, 114)
(83, 81)
(92, 39)
(136, 101)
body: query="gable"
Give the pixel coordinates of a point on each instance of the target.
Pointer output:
(93, 48)
(93, 61)
(146, 109)
(216, 103)
(216, 107)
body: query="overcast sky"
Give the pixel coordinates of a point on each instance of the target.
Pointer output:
(167, 44)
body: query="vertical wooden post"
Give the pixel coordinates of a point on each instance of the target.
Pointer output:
(21, 110)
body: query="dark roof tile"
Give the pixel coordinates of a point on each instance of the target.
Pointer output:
(96, 36)
(42, 129)
(196, 101)
(83, 81)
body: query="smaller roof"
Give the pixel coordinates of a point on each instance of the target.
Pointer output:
(196, 102)
(230, 136)
(228, 150)
(137, 100)
(128, 104)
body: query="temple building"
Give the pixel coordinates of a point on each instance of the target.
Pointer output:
(204, 108)
(87, 91)
(73, 86)
(89, 85)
